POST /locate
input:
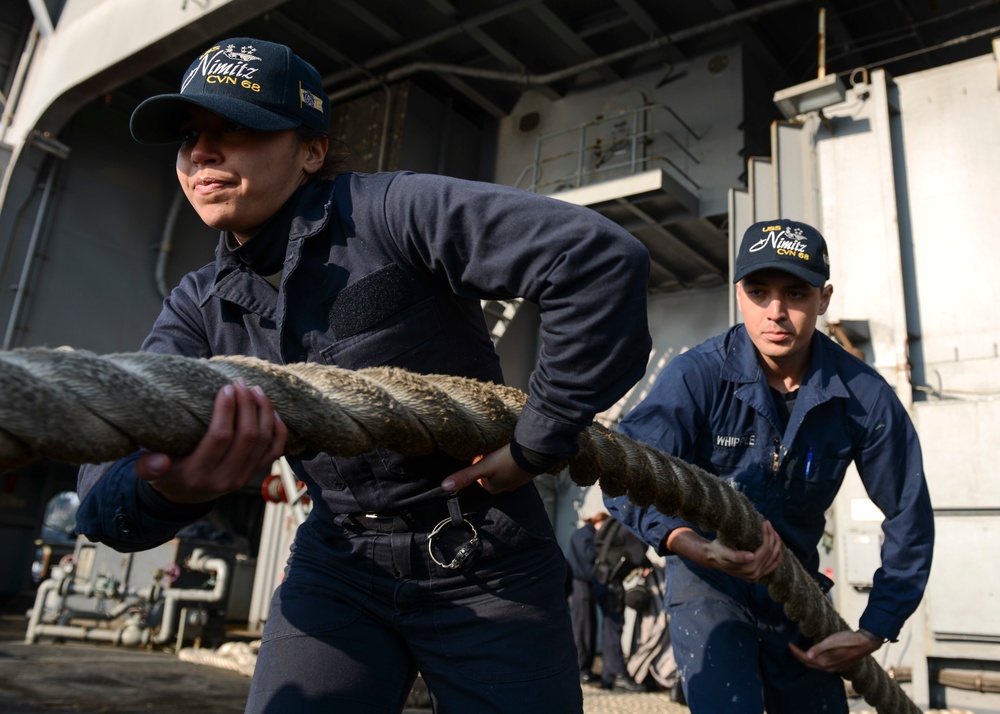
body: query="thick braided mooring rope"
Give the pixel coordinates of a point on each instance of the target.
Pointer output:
(85, 408)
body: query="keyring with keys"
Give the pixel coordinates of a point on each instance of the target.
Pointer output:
(468, 553)
(465, 556)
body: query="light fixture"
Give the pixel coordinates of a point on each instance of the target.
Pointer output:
(810, 96)
(816, 94)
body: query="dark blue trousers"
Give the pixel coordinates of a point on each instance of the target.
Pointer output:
(731, 644)
(612, 657)
(583, 613)
(360, 612)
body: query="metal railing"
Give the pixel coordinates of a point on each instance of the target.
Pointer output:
(605, 147)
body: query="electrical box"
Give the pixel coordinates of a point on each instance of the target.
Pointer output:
(863, 555)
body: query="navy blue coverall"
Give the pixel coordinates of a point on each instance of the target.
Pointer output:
(389, 269)
(711, 406)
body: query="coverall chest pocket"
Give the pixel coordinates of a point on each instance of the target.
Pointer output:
(398, 340)
(812, 482)
(734, 459)
(392, 341)
(728, 453)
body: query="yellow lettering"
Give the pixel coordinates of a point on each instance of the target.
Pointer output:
(253, 86)
(767, 229)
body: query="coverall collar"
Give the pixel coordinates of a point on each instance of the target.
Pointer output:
(821, 382)
(235, 282)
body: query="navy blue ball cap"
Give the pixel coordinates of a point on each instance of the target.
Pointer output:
(257, 84)
(793, 247)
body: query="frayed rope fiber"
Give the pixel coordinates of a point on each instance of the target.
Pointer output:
(81, 407)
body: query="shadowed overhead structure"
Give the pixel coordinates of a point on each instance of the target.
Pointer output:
(485, 52)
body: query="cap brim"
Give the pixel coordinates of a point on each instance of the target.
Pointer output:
(817, 280)
(158, 120)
